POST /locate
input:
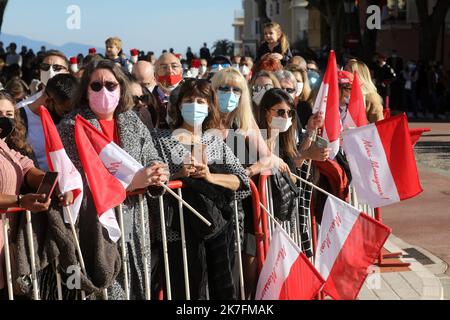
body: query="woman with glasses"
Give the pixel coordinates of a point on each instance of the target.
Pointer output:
(144, 103)
(262, 82)
(104, 99)
(210, 170)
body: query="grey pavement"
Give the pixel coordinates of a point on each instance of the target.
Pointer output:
(421, 282)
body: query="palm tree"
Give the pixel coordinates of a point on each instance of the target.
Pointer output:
(223, 47)
(3, 4)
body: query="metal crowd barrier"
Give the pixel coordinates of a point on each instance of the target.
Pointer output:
(264, 226)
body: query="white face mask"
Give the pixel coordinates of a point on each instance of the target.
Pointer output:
(257, 96)
(194, 72)
(202, 70)
(300, 86)
(244, 70)
(73, 68)
(47, 75)
(281, 124)
(134, 59)
(347, 100)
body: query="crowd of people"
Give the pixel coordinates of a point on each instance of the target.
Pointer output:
(160, 111)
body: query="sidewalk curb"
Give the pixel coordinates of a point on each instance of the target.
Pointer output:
(432, 286)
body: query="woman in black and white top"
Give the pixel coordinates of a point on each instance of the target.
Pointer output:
(200, 158)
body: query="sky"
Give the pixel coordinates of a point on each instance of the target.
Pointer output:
(143, 24)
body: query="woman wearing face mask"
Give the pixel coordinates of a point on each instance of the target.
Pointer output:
(304, 100)
(345, 81)
(144, 103)
(104, 99)
(202, 160)
(278, 118)
(17, 139)
(262, 82)
(16, 170)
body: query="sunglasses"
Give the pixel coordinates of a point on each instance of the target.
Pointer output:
(289, 90)
(235, 90)
(259, 88)
(56, 67)
(282, 112)
(97, 86)
(145, 98)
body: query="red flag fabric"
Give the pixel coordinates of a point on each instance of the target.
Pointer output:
(287, 274)
(69, 179)
(356, 113)
(416, 133)
(382, 162)
(327, 103)
(349, 243)
(107, 191)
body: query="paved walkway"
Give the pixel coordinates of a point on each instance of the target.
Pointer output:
(420, 282)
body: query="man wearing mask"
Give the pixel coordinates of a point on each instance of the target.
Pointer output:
(56, 96)
(202, 69)
(245, 67)
(169, 74)
(53, 63)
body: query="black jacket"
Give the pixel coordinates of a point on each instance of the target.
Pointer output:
(264, 48)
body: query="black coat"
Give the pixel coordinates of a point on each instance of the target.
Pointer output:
(264, 48)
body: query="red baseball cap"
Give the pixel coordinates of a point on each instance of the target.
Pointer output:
(73, 60)
(92, 50)
(345, 78)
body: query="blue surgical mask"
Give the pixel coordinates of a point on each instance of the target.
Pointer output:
(194, 113)
(347, 100)
(228, 101)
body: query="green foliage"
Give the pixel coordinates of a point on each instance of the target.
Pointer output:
(223, 47)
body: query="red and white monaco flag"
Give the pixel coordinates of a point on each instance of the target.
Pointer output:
(382, 162)
(349, 243)
(69, 179)
(327, 103)
(356, 113)
(287, 274)
(101, 159)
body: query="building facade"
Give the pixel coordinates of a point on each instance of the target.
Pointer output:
(399, 29)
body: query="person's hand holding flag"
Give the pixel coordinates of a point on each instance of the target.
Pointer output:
(154, 175)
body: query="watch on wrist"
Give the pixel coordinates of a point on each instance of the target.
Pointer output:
(19, 200)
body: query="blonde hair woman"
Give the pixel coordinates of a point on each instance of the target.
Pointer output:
(374, 102)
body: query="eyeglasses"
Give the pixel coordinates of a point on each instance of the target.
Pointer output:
(259, 88)
(56, 67)
(97, 86)
(145, 98)
(282, 112)
(289, 90)
(166, 67)
(235, 90)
